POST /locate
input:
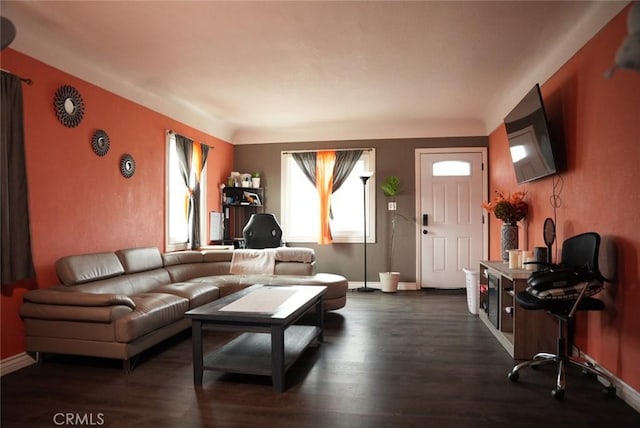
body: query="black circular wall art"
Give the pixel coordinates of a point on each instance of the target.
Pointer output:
(69, 106)
(127, 166)
(100, 142)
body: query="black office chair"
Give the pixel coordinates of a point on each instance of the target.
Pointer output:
(561, 290)
(262, 231)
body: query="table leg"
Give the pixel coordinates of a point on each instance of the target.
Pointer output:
(196, 338)
(320, 319)
(277, 357)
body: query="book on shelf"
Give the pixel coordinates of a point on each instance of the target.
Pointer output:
(252, 198)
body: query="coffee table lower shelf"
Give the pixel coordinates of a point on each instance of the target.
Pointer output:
(250, 353)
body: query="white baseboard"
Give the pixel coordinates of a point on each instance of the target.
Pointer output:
(623, 391)
(15, 362)
(627, 394)
(401, 285)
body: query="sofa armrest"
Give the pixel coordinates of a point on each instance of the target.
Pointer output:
(103, 314)
(73, 298)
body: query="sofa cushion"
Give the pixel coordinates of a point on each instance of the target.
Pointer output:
(295, 254)
(182, 257)
(217, 255)
(148, 281)
(116, 285)
(140, 259)
(153, 310)
(198, 294)
(184, 272)
(294, 268)
(129, 285)
(228, 284)
(83, 268)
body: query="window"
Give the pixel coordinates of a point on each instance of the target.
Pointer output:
(300, 206)
(176, 222)
(451, 169)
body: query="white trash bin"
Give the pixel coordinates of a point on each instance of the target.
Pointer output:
(472, 280)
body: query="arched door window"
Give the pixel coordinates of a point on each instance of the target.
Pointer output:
(451, 168)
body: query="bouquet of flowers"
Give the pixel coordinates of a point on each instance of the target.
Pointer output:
(510, 209)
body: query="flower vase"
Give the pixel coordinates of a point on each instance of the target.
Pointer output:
(509, 239)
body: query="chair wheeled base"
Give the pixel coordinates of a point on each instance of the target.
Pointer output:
(558, 393)
(562, 360)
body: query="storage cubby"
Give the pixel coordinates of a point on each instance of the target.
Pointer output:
(507, 304)
(238, 204)
(521, 332)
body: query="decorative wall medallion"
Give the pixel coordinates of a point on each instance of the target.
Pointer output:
(127, 166)
(69, 106)
(100, 142)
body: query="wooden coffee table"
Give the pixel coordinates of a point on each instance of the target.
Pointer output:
(271, 342)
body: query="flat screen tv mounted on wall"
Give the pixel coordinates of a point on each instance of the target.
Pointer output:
(529, 142)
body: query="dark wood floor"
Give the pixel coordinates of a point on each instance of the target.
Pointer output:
(411, 359)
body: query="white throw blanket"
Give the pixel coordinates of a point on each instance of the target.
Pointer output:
(295, 254)
(253, 262)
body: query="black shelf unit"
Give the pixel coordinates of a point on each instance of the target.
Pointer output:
(238, 204)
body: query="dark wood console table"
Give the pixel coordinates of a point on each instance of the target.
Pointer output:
(521, 332)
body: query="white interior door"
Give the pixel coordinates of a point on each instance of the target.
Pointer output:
(450, 188)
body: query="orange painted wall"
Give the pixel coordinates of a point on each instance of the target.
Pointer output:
(78, 201)
(599, 191)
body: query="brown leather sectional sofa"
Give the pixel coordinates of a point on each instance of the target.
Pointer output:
(117, 304)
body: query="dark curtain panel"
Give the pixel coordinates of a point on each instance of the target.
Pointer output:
(195, 238)
(184, 147)
(345, 161)
(17, 261)
(185, 150)
(307, 163)
(205, 153)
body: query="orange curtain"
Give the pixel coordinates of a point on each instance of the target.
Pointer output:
(324, 183)
(196, 160)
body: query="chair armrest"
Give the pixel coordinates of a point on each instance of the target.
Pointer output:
(545, 264)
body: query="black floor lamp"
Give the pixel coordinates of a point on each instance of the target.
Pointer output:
(365, 176)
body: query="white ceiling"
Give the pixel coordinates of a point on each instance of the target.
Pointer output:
(254, 72)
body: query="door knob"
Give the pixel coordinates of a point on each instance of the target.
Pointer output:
(424, 231)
